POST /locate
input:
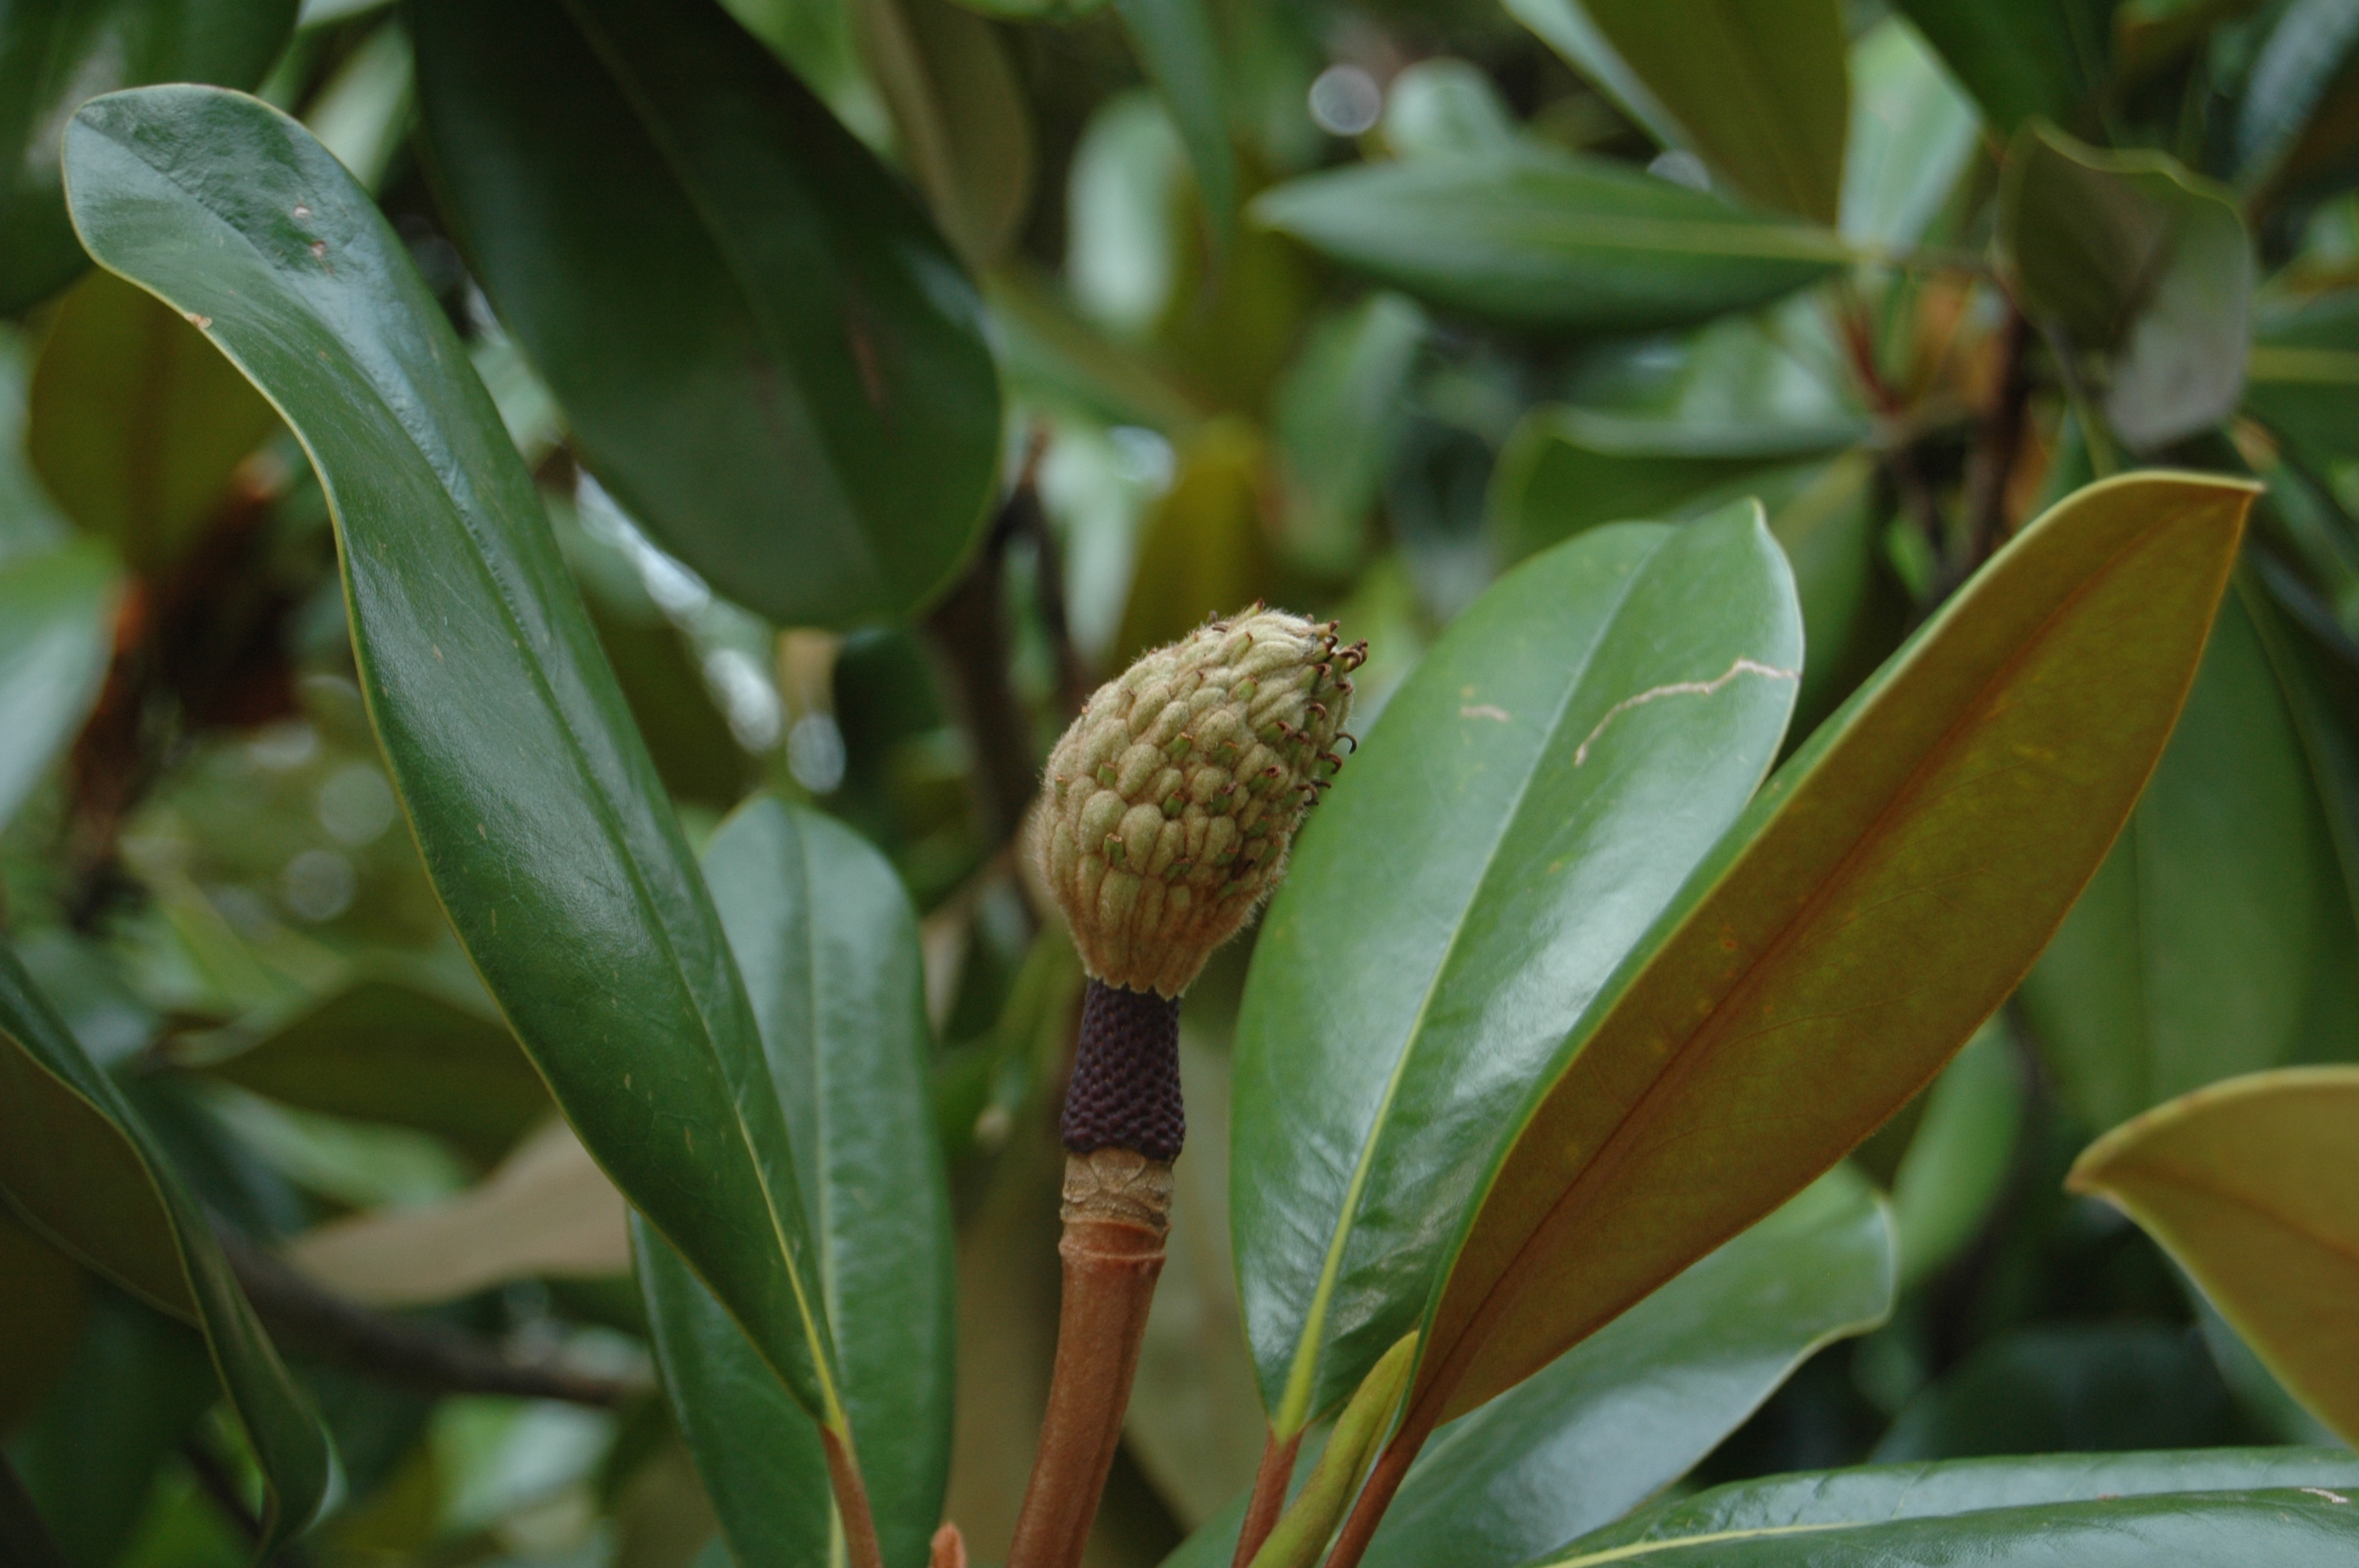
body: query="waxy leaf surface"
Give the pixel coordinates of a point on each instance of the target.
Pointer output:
(1619, 1416)
(1878, 900)
(1550, 239)
(2191, 1508)
(828, 944)
(539, 816)
(2252, 1186)
(1533, 798)
(1622, 1415)
(80, 1167)
(767, 352)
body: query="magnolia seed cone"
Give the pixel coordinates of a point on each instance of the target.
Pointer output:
(1171, 805)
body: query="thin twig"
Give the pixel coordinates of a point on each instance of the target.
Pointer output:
(1900, 457)
(969, 632)
(1268, 1499)
(1997, 443)
(311, 1321)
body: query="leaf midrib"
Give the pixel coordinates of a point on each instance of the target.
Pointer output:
(1294, 1409)
(1504, 1287)
(608, 819)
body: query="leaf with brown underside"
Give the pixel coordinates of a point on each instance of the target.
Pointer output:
(547, 1211)
(2251, 1185)
(1880, 898)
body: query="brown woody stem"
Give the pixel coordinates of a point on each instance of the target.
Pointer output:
(1116, 1213)
(860, 1548)
(1269, 1500)
(1359, 1526)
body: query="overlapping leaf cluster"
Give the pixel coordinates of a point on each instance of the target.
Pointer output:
(543, 547)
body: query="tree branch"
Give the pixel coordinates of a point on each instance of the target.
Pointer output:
(309, 1321)
(1997, 444)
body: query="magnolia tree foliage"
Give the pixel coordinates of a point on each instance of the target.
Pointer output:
(1718, 644)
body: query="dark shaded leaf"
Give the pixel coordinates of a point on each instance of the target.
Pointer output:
(2019, 58)
(766, 351)
(380, 1050)
(77, 1163)
(2138, 263)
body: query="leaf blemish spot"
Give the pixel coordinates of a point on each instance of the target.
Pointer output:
(199, 322)
(1679, 689)
(1482, 710)
(2322, 1492)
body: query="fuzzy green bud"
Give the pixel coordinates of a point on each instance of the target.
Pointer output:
(1170, 804)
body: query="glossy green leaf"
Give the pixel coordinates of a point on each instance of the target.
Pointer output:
(2217, 1509)
(828, 946)
(77, 1163)
(135, 423)
(537, 811)
(1622, 1415)
(1759, 87)
(1550, 239)
(1565, 469)
(1560, 759)
(379, 1049)
(1618, 1417)
(2019, 58)
(1179, 50)
(2251, 1187)
(757, 1451)
(2068, 1388)
(2137, 263)
(766, 351)
(55, 53)
(1912, 134)
(1878, 900)
(2221, 921)
(1956, 1165)
(57, 626)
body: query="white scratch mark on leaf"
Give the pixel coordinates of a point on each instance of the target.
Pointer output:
(1679, 689)
(1484, 710)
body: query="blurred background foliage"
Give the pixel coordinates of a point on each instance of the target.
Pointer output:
(1346, 306)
